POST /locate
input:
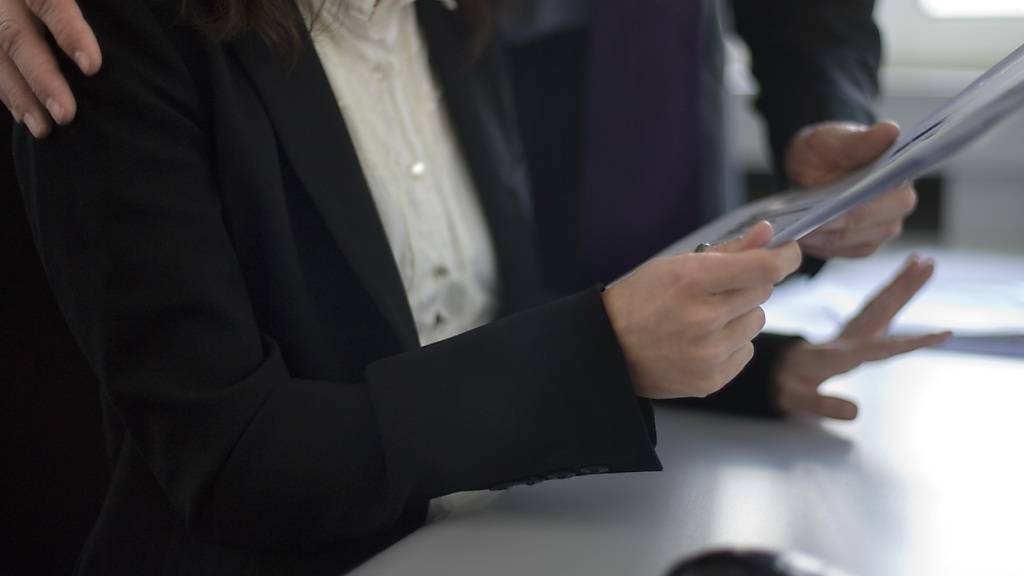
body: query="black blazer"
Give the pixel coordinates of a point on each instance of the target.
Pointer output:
(209, 235)
(211, 240)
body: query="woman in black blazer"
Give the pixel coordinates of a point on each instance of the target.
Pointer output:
(210, 236)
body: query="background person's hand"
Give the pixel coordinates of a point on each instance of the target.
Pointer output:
(805, 367)
(824, 153)
(685, 322)
(31, 84)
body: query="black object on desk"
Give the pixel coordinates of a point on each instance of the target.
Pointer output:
(752, 563)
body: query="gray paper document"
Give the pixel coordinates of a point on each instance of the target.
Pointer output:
(995, 95)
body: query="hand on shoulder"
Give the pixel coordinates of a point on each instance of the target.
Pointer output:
(31, 84)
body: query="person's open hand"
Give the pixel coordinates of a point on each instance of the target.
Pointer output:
(685, 323)
(805, 367)
(824, 153)
(31, 84)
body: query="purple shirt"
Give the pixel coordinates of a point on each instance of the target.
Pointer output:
(641, 187)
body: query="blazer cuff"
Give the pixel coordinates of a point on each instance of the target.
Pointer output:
(543, 394)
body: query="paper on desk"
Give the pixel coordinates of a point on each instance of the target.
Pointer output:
(820, 308)
(995, 95)
(979, 297)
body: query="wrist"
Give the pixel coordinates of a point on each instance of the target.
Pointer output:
(613, 309)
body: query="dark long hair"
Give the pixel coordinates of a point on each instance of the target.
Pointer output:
(277, 22)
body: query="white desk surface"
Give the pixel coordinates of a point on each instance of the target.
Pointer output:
(928, 481)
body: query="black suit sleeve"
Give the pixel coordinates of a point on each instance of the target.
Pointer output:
(815, 60)
(125, 211)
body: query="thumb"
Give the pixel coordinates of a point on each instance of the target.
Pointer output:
(855, 147)
(755, 237)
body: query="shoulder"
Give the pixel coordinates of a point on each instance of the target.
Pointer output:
(152, 83)
(153, 31)
(150, 52)
(126, 15)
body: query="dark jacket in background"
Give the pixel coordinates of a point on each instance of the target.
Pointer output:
(608, 120)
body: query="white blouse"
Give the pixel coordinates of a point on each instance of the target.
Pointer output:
(376, 63)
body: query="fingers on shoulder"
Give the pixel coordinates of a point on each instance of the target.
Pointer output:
(14, 92)
(65, 21)
(31, 77)
(16, 27)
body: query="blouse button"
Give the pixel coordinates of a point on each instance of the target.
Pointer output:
(417, 169)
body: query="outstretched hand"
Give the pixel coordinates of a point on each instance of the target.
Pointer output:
(805, 367)
(31, 84)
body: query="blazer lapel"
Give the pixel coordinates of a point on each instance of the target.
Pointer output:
(313, 136)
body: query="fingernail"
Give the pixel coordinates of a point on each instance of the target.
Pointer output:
(33, 125)
(55, 109)
(82, 60)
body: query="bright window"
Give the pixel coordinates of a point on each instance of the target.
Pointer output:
(973, 8)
